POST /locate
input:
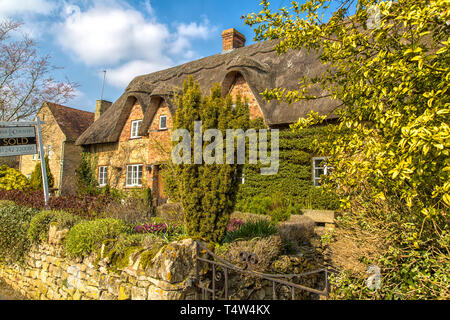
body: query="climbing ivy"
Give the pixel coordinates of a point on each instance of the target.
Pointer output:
(293, 182)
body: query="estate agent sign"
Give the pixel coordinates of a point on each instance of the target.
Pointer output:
(19, 138)
(16, 141)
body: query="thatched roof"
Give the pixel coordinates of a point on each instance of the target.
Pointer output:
(73, 122)
(259, 64)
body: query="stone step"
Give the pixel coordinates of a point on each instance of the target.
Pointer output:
(320, 216)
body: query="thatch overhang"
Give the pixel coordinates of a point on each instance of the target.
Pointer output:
(259, 64)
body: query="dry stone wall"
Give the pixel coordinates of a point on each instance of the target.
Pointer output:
(48, 274)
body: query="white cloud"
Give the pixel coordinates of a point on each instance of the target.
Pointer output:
(125, 39)
(105, 35)
(119, 37)
(9, 8)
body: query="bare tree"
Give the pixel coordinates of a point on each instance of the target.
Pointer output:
(25, 76)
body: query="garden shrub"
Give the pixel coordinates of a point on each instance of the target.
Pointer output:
(250, 230)
(12, 179)
(86, 207)
(207, 191)
(36, 176)
(280, 215)
(14, 224)
(133, 207)
(88, 236)
(86, 178)
(39, 225)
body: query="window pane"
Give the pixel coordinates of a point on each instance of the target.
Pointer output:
(139, 175)
(163, 122)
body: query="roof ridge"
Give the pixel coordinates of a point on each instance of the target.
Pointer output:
(60, 105)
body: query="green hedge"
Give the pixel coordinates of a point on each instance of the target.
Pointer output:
(14, 224)
(294, 179)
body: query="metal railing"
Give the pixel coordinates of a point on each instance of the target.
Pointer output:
(221, 270)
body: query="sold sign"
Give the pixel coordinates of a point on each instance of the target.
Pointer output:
(16, 141)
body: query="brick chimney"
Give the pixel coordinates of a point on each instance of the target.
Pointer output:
(232, 39)
(100, 107)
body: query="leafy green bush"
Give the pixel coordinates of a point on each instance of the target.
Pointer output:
(250, 230)
(279, 215)
(88, 236)
(277, 206)
(12, 179)
(14, 223)
(39, 225)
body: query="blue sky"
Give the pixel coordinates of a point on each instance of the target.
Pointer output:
(127, 38)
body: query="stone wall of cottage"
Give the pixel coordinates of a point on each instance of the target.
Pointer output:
(128, 151)
(72, 159)
(241, 87)
(48, 274)
(51, 135)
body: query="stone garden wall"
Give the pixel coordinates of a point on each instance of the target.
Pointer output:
(47, 274)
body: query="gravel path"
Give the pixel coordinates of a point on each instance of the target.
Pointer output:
(7, 293)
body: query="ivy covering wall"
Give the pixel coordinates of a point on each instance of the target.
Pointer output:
(293, 183)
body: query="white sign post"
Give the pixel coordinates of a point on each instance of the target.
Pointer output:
(21, 141)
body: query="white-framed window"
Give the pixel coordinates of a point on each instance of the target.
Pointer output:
(48, 151)
(320, 168)
(162, 122)
(134, 175)
(102, 176)
(135, 126)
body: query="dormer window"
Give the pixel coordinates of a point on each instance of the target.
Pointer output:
(135, 126)
(162, 122)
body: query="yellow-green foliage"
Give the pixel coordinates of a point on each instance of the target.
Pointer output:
(391, 149)
(39, 224)
(12, 179)
(88, 236)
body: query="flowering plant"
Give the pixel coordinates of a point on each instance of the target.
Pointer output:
(234, 224)
(152, 228)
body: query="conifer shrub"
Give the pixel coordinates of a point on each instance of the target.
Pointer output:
(86, 178)
(208, 191)
(36, 176)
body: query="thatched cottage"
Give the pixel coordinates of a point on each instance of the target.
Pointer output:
(131, 137)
